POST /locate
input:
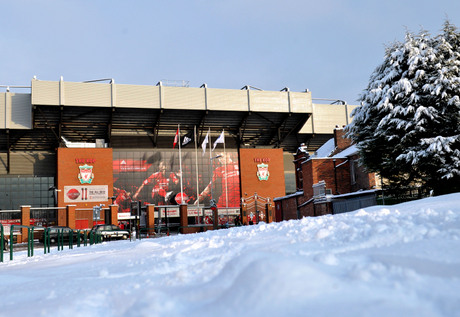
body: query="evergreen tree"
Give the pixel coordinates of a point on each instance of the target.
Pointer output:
(407, 128)
(438, 151)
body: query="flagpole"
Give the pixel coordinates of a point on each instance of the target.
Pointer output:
(180, 168)
(210, 161)
(196, 167)
(226, 177)
(209, 142)
(210, 165)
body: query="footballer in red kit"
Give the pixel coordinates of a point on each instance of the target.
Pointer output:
(225, 180)
(162, 184)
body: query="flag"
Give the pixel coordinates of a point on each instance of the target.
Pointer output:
(205, 142)
(188, 138)
(220, 139)
(176, 138)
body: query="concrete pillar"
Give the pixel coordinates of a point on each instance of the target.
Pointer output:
(70, 216)
(183, 214)
(25, 221)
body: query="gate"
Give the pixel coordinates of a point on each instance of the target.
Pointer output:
(256, 209)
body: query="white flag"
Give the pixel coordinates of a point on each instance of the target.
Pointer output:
(220, 139)
(205, 142)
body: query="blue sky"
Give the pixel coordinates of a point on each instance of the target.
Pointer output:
(330, 47)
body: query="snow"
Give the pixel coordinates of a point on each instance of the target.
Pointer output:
(401, 260)
(349, 151)
(325, 150)
(328, 148)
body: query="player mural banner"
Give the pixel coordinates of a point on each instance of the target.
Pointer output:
(153, 177)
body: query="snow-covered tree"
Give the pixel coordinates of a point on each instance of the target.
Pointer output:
(407, 128)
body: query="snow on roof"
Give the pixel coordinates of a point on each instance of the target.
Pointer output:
(357, 193)
(298, 193)
(325, 150)
(347, 152)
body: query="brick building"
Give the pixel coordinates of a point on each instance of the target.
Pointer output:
(328, 181)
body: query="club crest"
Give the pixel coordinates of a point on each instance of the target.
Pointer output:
(262, 172)
(86, 174)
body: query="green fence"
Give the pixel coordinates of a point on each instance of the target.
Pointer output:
(67, 237)
(59, 236)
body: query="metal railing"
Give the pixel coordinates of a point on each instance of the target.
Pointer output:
(50, 236)
(10, 215)
(2, 242)
(46, 216)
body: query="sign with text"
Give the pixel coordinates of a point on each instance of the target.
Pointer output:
(90, 193)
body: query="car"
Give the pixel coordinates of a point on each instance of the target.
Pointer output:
(108, 232)
(55, 231)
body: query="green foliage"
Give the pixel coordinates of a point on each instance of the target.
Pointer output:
(407, 127)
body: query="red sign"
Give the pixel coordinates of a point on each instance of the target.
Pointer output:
(261, 159)
(179, 200)
(85, 160)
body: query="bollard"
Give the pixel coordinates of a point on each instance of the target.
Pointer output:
(30, 241)
(1, 243)
(11, 242)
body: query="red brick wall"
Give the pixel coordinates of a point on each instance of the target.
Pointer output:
(308, 178)
(340, 141)
(363, 180)
(83, 218)
(70, 216)
(322, 209)
(307, 210)
(250, 183)
(68, 162)
(299, 158)
(316, 170)
(289, 207)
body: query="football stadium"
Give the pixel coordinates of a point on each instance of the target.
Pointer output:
(100, 143)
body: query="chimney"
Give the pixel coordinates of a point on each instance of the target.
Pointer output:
(341, 142)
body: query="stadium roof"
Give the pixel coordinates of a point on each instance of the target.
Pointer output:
(133, 116)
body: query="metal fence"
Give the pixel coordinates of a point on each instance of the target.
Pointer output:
(10, 216)
(81, 236)
(351, 204)
(43, 216)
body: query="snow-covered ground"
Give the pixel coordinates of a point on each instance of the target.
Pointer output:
(401, 260)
